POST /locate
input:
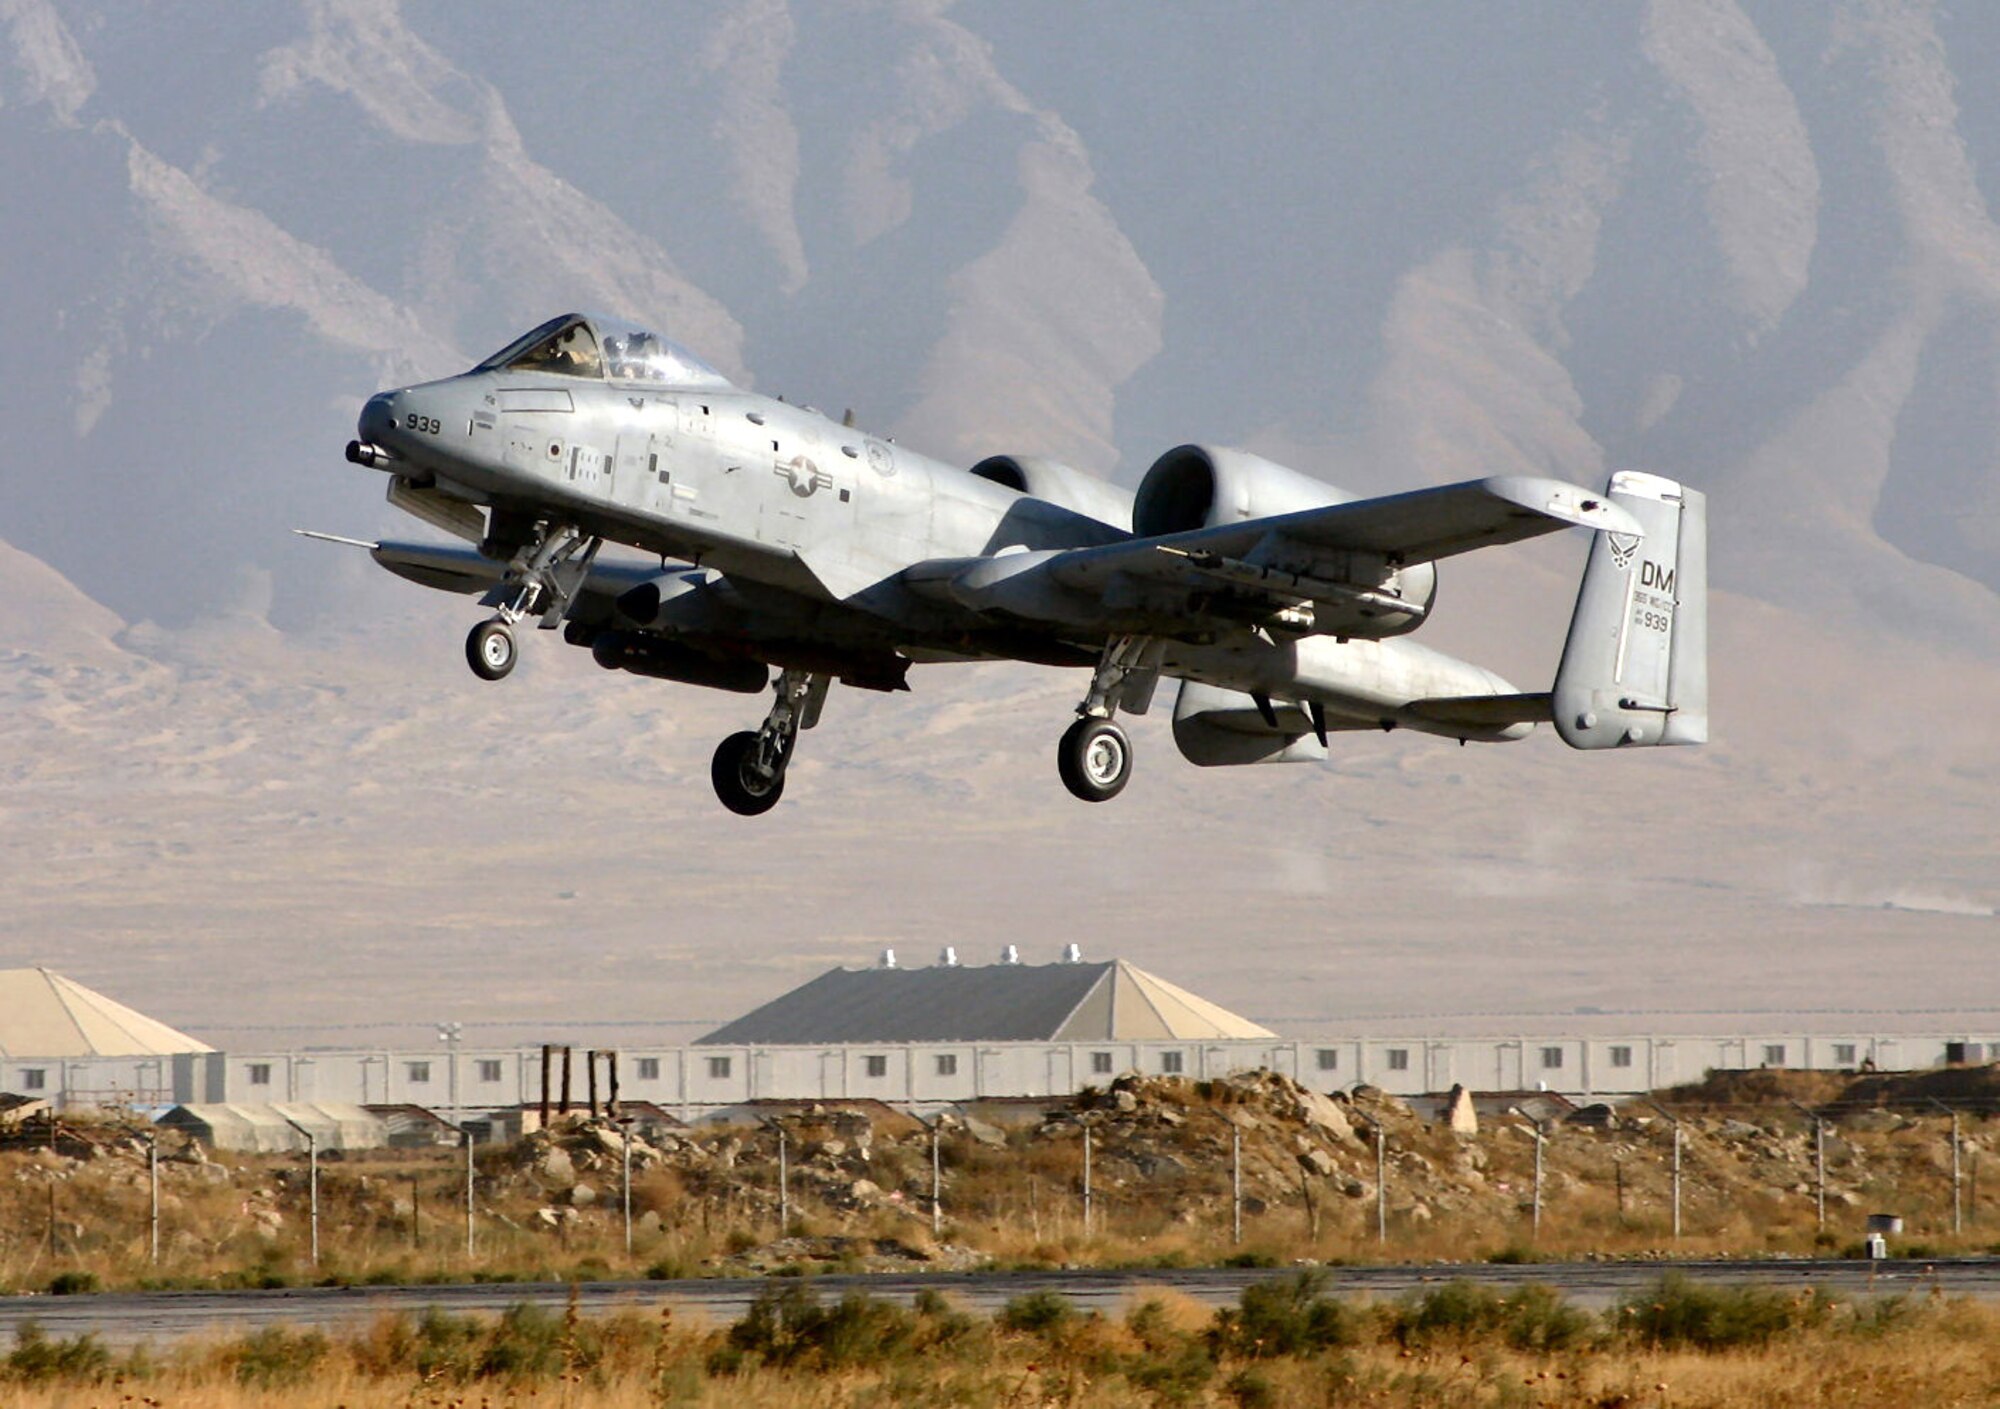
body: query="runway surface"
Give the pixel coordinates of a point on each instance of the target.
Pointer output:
(123, 1319)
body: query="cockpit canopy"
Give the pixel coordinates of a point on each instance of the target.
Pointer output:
(594, 346)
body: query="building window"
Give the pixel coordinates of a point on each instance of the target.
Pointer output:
(1170, 1063)
(718, 1068)
(1774, 1054)
(417, 1071)
(1552, 1058)
(1100, 1064)
(947, 1064)
(1843, 1054)
(649, 1068)
(1329, 1059)
(489, 1071)
(34, 1078)
(260, 1073)
(1621, 1056)
(1399, 1059)
(875, 1066)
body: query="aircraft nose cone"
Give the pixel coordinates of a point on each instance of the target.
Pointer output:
(378, 417)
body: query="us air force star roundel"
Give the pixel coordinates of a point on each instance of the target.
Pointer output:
(1623, 546)
(803, 475)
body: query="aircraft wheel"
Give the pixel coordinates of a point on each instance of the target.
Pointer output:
(1095, 759)
(489, 650)
(742, 788)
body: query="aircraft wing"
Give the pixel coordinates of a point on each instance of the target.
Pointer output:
(452, 568)
(1338, 552)
(1420, 526)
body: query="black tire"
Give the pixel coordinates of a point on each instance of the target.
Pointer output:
(737, 784)
(490, 650)
(1095, 759)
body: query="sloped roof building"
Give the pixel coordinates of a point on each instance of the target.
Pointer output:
(43, 1014)
(1006, 1002)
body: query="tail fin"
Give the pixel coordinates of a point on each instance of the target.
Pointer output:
(1635, 667)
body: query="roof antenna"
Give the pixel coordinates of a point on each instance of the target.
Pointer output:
(847, 418)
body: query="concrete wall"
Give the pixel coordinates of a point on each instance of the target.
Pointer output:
(687, 1079)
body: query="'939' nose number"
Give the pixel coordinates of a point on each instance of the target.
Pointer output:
(423, 425)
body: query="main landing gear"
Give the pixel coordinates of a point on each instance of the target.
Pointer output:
(542, 579)
(749, 768)
(1095, 755)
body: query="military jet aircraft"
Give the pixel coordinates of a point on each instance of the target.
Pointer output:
(780, 540)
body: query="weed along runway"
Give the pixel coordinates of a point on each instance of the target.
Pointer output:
(124, 1319)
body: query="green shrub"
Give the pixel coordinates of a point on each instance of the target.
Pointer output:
(1037, 1313)
(1678, 1313)
(786, 1325)
(1532, 1317)
(1251, 1390)
(1285, 1316)
(276, 1357)
(1176, 1376)
(529, 1342)
(37, 1359)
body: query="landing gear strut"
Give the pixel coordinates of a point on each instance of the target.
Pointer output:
(542, 579)
(748, 770)
(1095, 755)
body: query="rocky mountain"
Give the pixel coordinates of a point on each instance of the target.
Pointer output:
(1746, 244)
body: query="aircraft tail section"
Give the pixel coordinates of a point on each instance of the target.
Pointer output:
(1635, 667)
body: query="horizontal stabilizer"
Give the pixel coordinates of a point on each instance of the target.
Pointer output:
(1482, 711)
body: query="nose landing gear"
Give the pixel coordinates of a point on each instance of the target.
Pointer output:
(748, 770)
(542, 579)
(490, 651)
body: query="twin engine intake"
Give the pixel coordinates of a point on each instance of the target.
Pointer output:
(1349, 592)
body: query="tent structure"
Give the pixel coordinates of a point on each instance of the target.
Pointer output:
(43, 1014)
(266, 1129)
(1066, 1002)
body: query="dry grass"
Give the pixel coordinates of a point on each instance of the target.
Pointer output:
(1465, 1351)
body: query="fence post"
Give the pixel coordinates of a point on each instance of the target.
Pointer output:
(1677, 1181)
(784, 1183)
(1381, 1185)
(625, 1169)
(1235, 1186)
(1536, 1229)
(548, 1057)
(1086, 1184)
(1819, 1172)
(1675, 1123)
(1957, 1207)
(937, 1186)
(153, 1180)
(466, 1136)
(312, 1190)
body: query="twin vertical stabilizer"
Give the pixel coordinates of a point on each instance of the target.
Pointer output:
(1635, 667)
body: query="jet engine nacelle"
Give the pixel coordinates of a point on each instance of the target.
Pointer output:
(1059, 484)
(1201, 486)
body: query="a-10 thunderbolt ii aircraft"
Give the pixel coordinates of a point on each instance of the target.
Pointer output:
(783, 541)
